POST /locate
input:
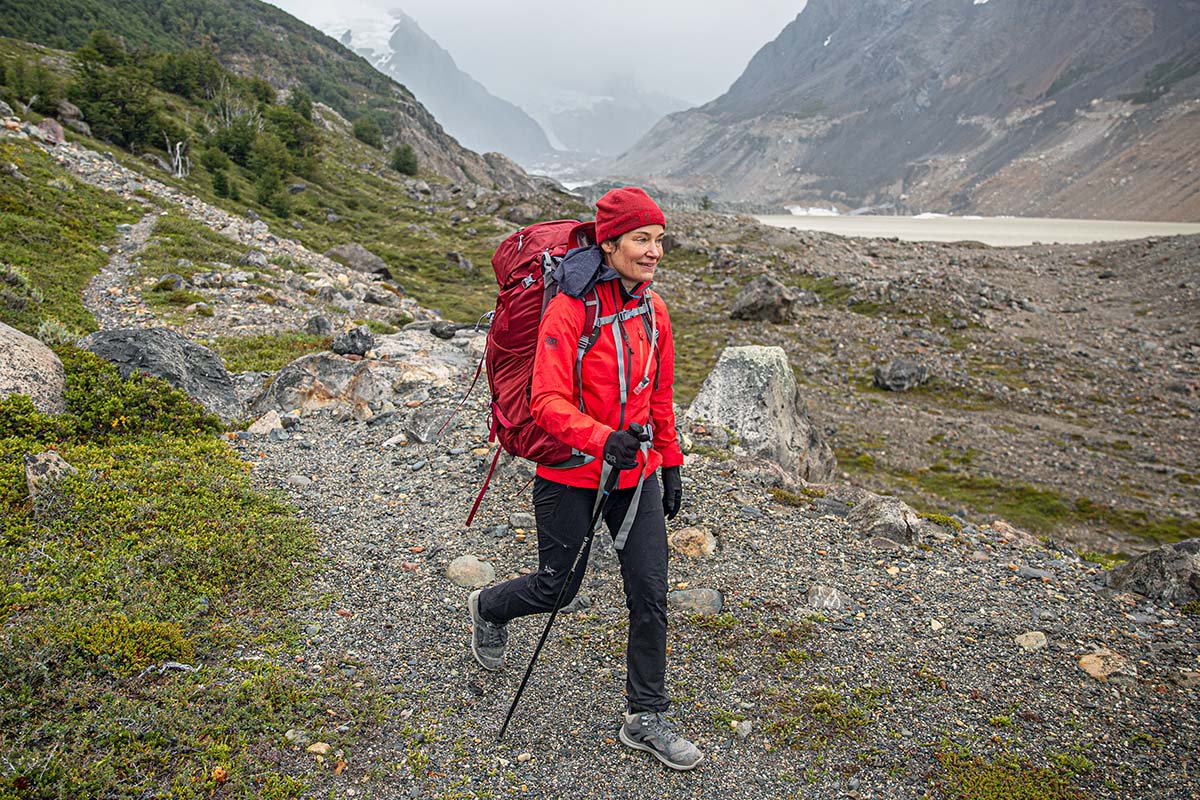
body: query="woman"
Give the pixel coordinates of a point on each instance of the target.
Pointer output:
(625, 377)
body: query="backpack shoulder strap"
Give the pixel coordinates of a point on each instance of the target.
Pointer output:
(587, 337)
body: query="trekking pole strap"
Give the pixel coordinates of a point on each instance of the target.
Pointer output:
(631, 512)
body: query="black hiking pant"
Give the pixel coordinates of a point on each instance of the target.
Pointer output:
(563, 513)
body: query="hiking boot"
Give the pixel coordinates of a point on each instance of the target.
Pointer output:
(654, 732)
(487, 640)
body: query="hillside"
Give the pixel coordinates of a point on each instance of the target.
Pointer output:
(1026, 107)
(465, 108)
(255, 39)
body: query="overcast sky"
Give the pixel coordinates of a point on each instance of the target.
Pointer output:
(691, 49)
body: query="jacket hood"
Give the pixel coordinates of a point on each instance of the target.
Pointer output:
(581, 269)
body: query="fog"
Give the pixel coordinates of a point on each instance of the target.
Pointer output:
(692, 51)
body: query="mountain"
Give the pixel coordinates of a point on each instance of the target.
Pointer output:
(253, 38)
(467, 110)
(603, 122)
(1034, 107)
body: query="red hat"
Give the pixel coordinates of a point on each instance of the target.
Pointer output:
(622, 210)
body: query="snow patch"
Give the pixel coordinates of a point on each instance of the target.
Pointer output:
(979, 2)
(829, 38)
(932, 214)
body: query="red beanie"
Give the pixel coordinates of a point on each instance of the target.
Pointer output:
(622, 210)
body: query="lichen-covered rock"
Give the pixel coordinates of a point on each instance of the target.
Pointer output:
(358, 258)
(752, 392)
(901, 375)
(765, 298)
(163, 353)
(706, 602)
(1170, 574)
(886, 517)
(31, 368)
(692, 542)
(44, 470)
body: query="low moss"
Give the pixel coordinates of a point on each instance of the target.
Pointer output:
(267, 352)
(1106, 560)
(786, 498)
(1004, 777)
(943, 520)
(1192, 609)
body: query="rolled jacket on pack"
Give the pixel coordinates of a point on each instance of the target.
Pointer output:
(554, 401)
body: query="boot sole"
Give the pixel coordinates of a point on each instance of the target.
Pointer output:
(473, 610)
(625, 740)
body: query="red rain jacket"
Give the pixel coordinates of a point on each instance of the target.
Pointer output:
(553, 398)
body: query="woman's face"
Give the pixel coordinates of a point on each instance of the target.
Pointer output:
(635, 254)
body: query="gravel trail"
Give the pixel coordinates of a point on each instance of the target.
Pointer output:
(850, 703)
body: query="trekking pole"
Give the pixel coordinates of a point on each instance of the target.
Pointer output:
(639, 433)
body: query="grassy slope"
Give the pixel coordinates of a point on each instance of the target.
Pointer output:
(158, 551)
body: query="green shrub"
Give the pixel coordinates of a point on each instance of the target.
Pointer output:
(124, 647)
(367, 131)
(103, 404)
(404, 160)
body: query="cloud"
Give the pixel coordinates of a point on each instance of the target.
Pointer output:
(689, 50)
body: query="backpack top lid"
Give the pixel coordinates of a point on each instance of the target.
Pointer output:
(582, 235)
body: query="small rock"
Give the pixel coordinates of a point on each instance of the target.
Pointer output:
(1105, 665)
(470, 573)
(936, 625)
(1031, 641)
(266, 423)
(692, 542)
(522, 519)
(827, 598)
(319, 748)
(299, 481)
(706, 602)
(524, 758)
(743, 729)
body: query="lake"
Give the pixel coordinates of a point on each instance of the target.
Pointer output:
(995, 231)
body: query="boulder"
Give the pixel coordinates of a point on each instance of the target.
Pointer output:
(765, 298)
(44, 470)
(163, 353)
(358, 258)
(1170, 574)
(752, 392)
(901, 375)
(885, 517)
(31, 368)
(68, 110)
(51, 131)
(356, 341)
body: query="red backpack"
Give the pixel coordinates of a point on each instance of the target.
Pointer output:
(522, 264)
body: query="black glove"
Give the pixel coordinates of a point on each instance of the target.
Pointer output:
(672, 486)
(621, 449)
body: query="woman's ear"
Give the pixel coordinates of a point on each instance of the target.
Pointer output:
(608, 246)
